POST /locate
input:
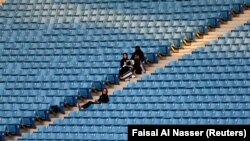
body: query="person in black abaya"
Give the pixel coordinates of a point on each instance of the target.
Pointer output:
(104, 98)
(140, 53)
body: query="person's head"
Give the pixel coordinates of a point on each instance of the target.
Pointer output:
(137, 48)
(125, 56)
(105, 91)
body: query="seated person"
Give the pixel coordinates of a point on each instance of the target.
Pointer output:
(137, 69)
(104, 98)
(124, 59)
(140, 53)
(126, 67)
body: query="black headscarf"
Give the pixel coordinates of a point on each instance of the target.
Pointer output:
(122, 62)
(104, 98)
(139, 52)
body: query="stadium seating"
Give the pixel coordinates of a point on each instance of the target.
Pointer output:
(210, 86)
(54, 51)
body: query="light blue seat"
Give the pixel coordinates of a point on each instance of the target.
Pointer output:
(13, 125)
(212, 75)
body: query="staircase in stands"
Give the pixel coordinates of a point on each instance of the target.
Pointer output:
(2, 1)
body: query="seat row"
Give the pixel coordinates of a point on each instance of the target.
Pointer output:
(192, 84)
(188, 76)
(182, 98)
(158, 121)
(129, 92)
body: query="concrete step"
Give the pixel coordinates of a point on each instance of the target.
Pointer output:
(207, 40)
(241, 18)
(197, 44)
(215, 36)
(215, 32)
(2, 1)
(228, 25)
(238, 21)
(175, 55)
(186, 50)
(223, 29)
(163, 63)
(189, 47)
(158, 66)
